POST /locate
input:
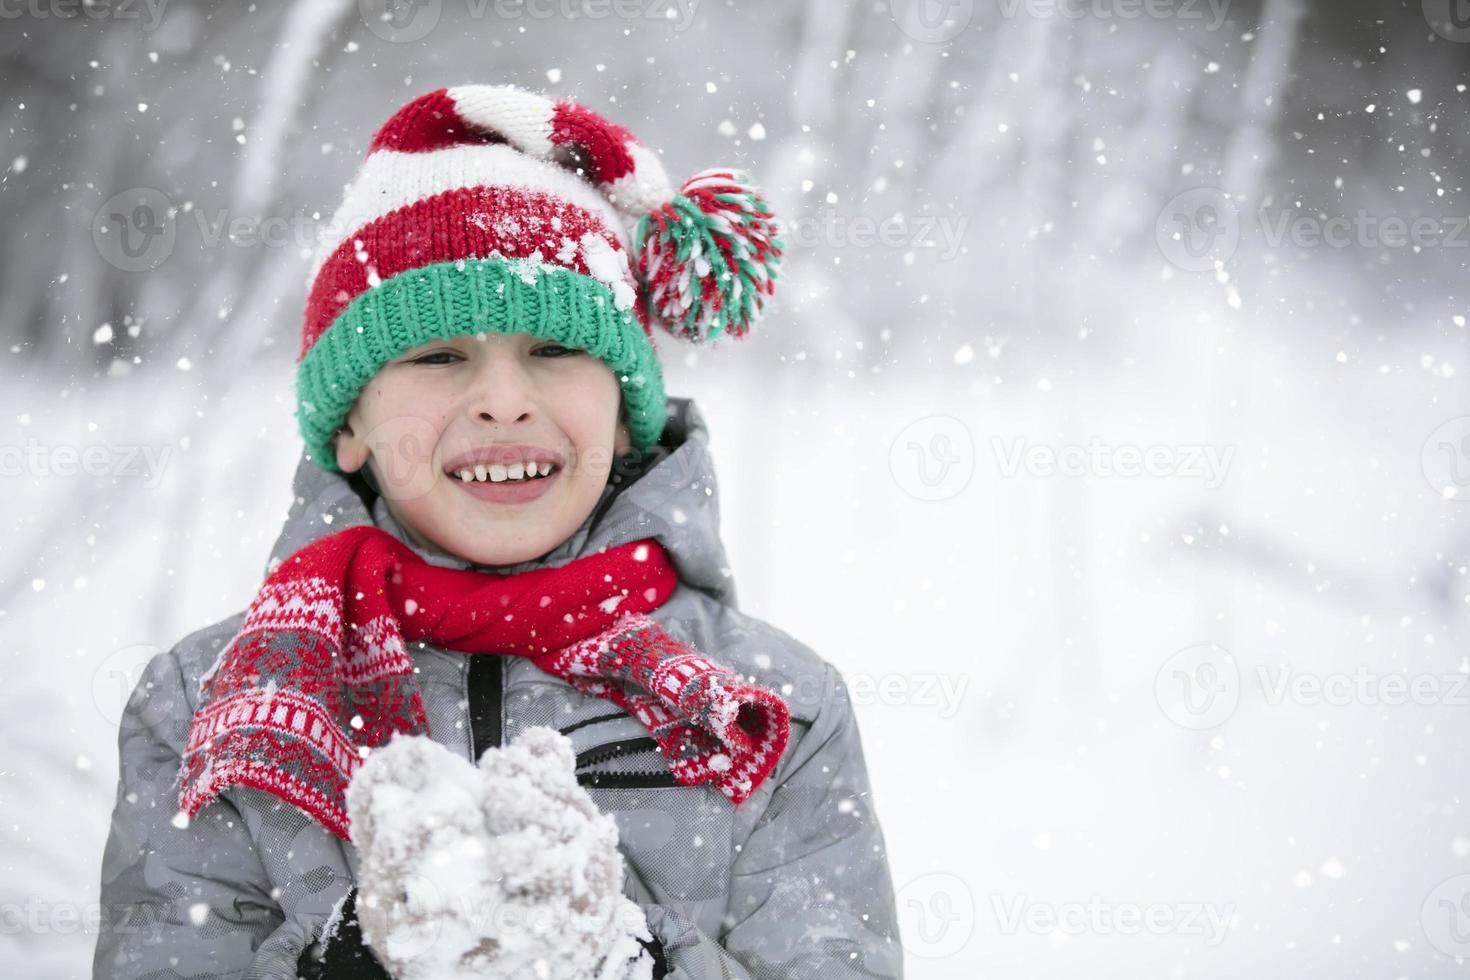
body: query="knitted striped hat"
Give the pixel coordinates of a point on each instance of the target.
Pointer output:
(492, 208)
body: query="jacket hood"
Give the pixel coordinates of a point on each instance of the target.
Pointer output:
(672, 496)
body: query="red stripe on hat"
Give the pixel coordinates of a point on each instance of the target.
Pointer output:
(429, 122)
(467, 222)
(603, 142)
(640, 310)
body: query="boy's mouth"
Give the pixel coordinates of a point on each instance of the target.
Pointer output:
(510, 490)
(513, 464)
(496, 473)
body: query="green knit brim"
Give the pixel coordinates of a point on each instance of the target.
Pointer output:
(451, 299)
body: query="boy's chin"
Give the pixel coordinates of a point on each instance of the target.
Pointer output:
(496, 534)
(498, 545)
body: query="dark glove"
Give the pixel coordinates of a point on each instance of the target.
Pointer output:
(347, 957)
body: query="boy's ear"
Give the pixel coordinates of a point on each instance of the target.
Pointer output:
(623, 441)
(352, 452)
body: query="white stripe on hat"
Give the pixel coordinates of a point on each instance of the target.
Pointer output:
(390, 179)
(526, 118)
(646, 187)
(520, 116)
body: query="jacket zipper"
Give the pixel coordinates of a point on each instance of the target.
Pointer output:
(602, 753)
(614, 749)
(485, 691)
(486, 697)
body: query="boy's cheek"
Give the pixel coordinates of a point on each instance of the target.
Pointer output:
(401, 450)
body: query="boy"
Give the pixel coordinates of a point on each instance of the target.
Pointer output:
(486, 431)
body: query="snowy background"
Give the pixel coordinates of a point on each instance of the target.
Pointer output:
(1191, 702)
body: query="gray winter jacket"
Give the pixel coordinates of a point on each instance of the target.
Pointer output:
(793, 883)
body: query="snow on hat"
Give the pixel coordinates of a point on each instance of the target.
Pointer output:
(486, 208)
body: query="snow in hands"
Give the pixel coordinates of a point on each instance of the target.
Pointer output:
(505, 869)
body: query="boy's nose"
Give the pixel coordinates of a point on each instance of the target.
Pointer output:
(488, 417)
(502, 391)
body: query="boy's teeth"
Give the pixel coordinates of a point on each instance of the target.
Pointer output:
(497, 473)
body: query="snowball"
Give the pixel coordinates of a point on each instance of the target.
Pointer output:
(510, 850)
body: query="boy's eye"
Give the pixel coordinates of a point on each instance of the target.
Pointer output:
(425, 359)
(549, 350)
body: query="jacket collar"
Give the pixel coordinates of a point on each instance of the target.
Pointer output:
(672, 497)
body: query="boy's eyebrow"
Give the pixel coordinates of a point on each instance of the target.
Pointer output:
(521, 336)
(434, 342)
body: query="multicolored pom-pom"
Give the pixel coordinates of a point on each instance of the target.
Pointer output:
(708, 258)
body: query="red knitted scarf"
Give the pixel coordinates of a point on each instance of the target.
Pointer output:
(318, 674)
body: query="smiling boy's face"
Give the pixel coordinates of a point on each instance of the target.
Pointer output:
(499, 400)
